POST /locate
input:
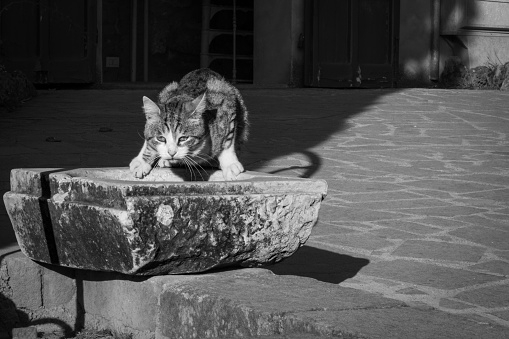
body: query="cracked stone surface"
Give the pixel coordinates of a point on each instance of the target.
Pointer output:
(103, 219)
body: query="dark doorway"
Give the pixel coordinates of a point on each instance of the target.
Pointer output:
(354, 43)
(54, 41)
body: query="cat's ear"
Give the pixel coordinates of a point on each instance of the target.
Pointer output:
(151, 109)
(198, 105)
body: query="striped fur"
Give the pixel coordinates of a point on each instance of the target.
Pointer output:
(200, 121)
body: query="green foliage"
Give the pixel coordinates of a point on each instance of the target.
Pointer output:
(491, 76)
(14, 89)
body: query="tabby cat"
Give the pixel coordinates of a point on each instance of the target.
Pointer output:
(200, 121)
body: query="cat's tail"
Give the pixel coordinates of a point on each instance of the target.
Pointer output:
(168, 92)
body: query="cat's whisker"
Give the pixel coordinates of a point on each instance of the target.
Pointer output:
(204, 159)
(190, 167)
(195, 164)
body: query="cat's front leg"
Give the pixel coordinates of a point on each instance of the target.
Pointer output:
(139, 167)
(230, 164)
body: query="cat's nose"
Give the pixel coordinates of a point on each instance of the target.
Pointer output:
(172, 153)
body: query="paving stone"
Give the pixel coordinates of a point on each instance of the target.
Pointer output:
(406, 322)
(498, 215)
(502, 315)
(326, 229)
(336, 213)
(492, 296)
(357, 240)
(494, 266)
(444, 223)
(453, 304)
(502, 254)
(410, 291)
(456, 186)
(389, 233)
(439, 251)
(426, 274)
(400, 205)
(448, 211)
(501, 195)
(353, 224)
(481, 220)
(379, 196)
(407, 225)
(485, 236)
(493, 179)
(360, 186)
(431, 193)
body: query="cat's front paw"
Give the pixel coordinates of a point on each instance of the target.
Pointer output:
(139, 167)
(232, 171)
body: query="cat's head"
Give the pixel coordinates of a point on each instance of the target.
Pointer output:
(176, 129)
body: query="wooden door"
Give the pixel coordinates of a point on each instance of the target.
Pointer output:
(51, 41)
(354, 43)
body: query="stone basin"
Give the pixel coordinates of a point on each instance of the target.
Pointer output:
(104, 219)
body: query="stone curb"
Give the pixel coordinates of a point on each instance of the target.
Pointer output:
(226, 304)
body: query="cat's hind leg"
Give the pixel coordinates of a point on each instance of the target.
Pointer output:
(139, 167)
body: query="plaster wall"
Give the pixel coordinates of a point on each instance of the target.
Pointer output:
(475, 31)
(414, 42)
(277, 27)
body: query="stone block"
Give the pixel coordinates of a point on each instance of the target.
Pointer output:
(58, 289)
(25, 282)
(120, 302)
(104, 219)
(24, 333)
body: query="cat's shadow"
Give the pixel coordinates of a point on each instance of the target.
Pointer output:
(296, 123)
(322, 265)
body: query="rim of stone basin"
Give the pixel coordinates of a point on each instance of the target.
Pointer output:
(169, 175)
(175, 179)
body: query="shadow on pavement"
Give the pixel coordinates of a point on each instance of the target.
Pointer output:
(290, 127)
(321, 265)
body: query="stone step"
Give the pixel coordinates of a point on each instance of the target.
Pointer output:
(235, 303)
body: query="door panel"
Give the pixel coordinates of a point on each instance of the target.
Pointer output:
(353, 43)
(68, 40)
(50, 40)
(19, 50)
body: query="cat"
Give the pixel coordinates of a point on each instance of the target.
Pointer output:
(200, 121)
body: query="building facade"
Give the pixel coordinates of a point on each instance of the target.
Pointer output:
(317, 43)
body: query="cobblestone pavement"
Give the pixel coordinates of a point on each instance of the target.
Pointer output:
(418, 179)
(418, 194)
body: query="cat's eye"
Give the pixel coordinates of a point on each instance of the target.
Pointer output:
(160, 138)
(183, 139)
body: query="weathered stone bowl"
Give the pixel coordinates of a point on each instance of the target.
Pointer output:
(104, 219)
